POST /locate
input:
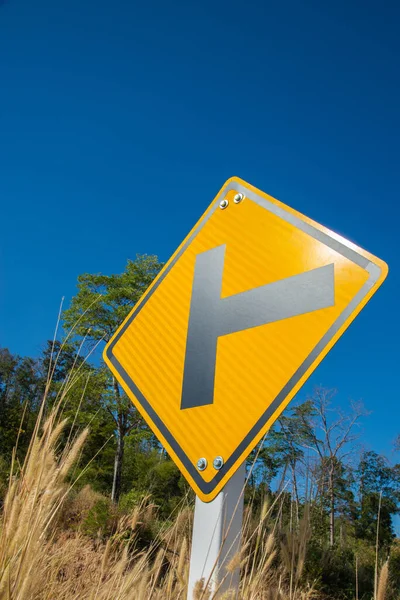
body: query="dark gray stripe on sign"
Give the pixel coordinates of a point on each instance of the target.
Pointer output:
(211, 316)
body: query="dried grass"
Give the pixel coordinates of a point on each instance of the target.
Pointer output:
(42, 559)
(383, 581)
(45, 556)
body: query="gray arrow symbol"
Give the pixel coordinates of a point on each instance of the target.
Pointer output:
(212, 316)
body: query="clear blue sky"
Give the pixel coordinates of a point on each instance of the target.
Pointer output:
(119, 121)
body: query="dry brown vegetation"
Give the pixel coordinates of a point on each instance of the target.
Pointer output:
(53, 548)
(43, 557)
(40, 559)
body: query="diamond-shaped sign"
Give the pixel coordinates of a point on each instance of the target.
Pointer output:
(234, 324)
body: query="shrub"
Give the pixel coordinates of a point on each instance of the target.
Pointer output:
(77, 506)
(129, 500)
(101, 519)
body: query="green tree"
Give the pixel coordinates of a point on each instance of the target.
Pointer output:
(375, 477)
(19, 400)
(59, 360)
(329, 433)
(285, 441)
(99, 307)
(83, 390)
(148, 470)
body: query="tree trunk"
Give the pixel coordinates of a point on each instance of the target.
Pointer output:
(332, 510)
(119, 457)
(119, 453)
(116, 390)
(295, 490)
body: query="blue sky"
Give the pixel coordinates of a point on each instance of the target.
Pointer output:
(120, 121)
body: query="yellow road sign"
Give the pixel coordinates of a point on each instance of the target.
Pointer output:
(234, 324)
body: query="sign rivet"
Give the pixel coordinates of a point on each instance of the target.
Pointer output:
(238, 198)
(218, 462)
(201, 464)
(224, 203)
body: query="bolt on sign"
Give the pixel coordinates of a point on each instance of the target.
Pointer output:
(240, 316)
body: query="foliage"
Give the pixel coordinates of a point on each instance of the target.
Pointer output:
(76, 507)
(103, 301)
(99, 307)
(149, 471)
(100, 521)
(131, 500)
(375, 477)
(20, 395)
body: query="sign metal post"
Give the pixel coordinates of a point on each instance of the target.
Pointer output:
(217, 531)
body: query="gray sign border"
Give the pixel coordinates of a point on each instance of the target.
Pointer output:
(374, 274)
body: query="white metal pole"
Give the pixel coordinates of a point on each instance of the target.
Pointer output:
(217, 531)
